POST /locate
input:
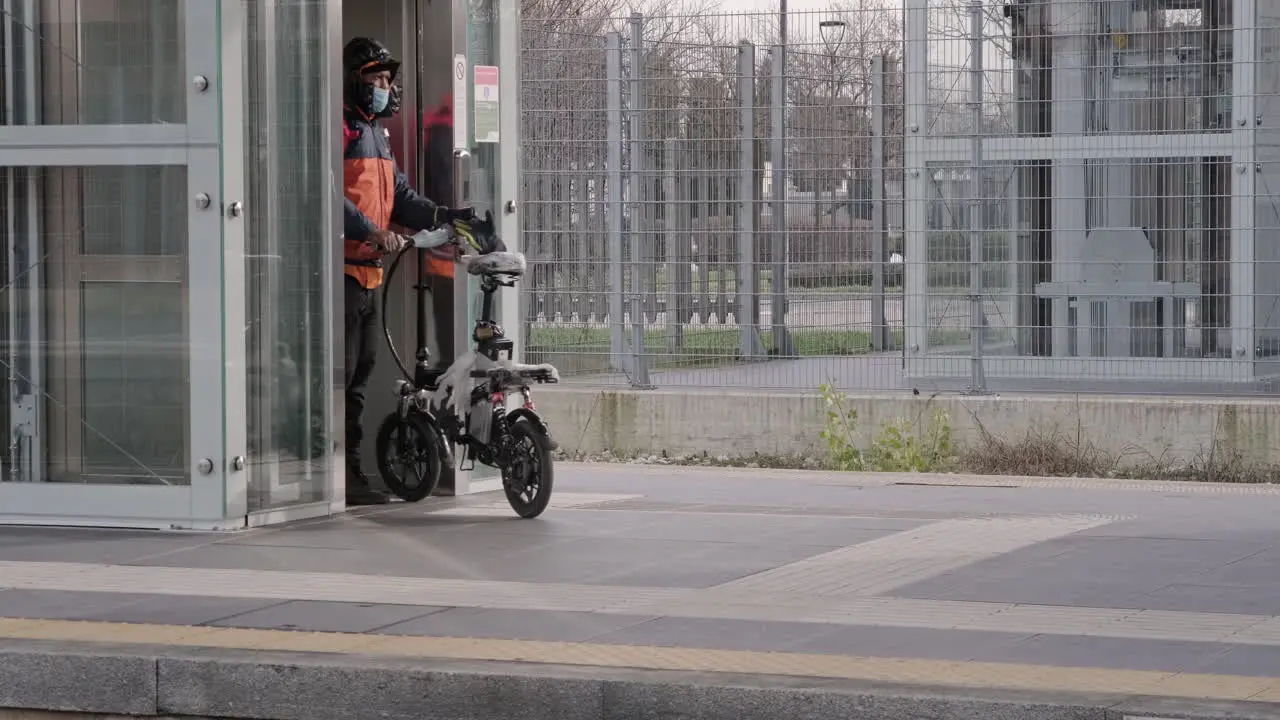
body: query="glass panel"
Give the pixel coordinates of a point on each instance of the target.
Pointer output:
(153, 224)
(95, 329)
(93, 62)
(135, 382)
(482, 42)
(482, 185)
(287, 261)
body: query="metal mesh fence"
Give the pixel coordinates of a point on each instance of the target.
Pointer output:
(713, 204)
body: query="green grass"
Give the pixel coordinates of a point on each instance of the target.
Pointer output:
(720, 343)
(720, 281)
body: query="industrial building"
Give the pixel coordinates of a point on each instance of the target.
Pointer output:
(1129, 150)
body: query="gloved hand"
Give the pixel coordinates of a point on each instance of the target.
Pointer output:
(465, 236)
(465, 214)
(385, 241)
(428, 239)
(448, 216)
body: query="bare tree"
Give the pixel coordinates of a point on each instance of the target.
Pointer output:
(689, 68)
(829, 87)
(563, 100)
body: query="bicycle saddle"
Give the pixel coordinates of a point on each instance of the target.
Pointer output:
(495, 263)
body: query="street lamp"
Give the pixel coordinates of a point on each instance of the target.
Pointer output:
(832, 34)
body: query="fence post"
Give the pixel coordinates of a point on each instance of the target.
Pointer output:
(880, 338)
(783, 344)
(618, 360)
(674, 239)
(636, 188)
(977, 380)
(749, 345)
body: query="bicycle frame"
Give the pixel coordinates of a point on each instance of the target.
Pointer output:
(485, 375)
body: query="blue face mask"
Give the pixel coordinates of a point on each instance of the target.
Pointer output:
(381, 96)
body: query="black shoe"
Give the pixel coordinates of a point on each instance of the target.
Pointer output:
(359, 492)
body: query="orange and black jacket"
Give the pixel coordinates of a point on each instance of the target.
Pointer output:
(377, 194)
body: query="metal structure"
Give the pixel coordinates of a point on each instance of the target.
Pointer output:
(975, 195)
(1111, 208)
(172, 269)
(696, 211)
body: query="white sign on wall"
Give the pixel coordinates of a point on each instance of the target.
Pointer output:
(486, 104)
(461, 128)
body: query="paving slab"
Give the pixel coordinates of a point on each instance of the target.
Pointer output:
(1125, 589)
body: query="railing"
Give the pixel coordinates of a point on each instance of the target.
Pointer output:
(711, 204)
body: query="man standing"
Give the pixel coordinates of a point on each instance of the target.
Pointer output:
(377, 194)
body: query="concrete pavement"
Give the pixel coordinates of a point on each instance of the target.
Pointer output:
(1048, 598)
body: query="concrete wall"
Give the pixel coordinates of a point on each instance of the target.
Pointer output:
(84, 682)
(739, 424)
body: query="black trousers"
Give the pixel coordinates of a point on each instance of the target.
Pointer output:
(362, 334)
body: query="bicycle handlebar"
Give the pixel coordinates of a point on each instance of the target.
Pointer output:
(428, 239)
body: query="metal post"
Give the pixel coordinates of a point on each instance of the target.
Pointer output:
(782, 341)
(618, 360)
(636, 188)
(748, 300)
(674, 239)
(640, 361)
(880, 338)
(977, 380)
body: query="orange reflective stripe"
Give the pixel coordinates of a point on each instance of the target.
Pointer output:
(368, 277)
(439, 267)
(370, 183)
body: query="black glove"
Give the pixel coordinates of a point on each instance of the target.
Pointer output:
(453, 215)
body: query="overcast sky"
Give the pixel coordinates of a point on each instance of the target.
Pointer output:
(792, 5)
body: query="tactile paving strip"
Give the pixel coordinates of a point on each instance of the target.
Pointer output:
(900, 559)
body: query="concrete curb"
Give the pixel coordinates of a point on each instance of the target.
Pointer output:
(216, 683)
(693, 420)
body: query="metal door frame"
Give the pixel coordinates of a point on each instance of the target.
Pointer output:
(216, 499)
(503, 25)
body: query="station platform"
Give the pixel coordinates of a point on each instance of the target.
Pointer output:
(672, 592)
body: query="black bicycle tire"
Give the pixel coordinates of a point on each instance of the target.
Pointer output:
(423, 428)
(542, 442)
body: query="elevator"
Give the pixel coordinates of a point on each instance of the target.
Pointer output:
(428, 36)
(170, 208)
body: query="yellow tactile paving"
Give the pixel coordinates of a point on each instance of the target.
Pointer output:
(888, 670)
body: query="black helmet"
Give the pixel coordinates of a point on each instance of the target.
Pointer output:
(363, 55)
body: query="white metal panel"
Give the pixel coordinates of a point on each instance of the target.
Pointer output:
(150, 506)
(1076, 147)
(335, 277)
(205, 323)
(1109, 369)
(916, 180)
(230, 293)
(81, 137)
(508, 190)
(60, 156)
(203, 60)
(1244, 177)
(201, 505)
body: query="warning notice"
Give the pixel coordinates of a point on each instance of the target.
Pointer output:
(460, 103)
(486, 104)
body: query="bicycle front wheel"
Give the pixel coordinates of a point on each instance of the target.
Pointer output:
(409, 456)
